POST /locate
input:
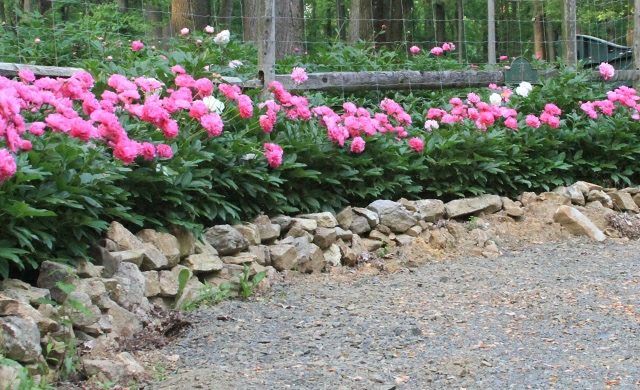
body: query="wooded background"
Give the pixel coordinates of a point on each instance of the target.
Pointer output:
(522, 26)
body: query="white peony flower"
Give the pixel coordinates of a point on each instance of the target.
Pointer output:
(495, 99)
(235, 64)
(430, 125)
(222, 38)
(213, 104)
(524, 88)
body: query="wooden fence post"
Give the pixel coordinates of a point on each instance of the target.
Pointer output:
(569, 33)
(491, 35)
(267, 43)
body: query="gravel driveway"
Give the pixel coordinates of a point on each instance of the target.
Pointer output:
(561, 315)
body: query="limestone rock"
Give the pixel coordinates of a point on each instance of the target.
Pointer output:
(360, 224)
(349, 256)
(186, 240)
(20, 339)
(191, 291)
(429, 210)
(129, 289)
(332, 255)
(151, 283)
(306, 224)
(268, 231)
(133, 256)
(487, 204)
(324, 219)
(250, 232)
(441, 239)
(226, 239)
(24, 292)
(380, 236)
(527, 198)
(124, 368)
(50, 274)
(86, 269)
(13, 307)
(576, 194)
(310, 258)
(325, 237)
(93, 287)
(263, 257)
(408, 204)
(123, 237)
(405, 239)
(283, 221)
(555, 197)
(345, 217)
(240, 258)
(371, 216)
(296, 230)
(393, 215)
(124, 322)
(601, 196)
(370, 245)
(10, 376)
(283, 256)
(512, 208)
(152, 258)
(343, 234)
(204, 247)
(577, 223)
(414, 231)
(169, 281)
(202, 263)
(165, 242)
(587, 187)
(623, 201)
(80, 310)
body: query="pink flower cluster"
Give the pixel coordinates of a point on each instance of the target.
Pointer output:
(273, 153)
(606, 71)
(440, 50)
(485, 115)
(358, 121)
(622, 96)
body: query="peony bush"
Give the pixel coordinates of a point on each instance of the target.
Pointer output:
(160, 139)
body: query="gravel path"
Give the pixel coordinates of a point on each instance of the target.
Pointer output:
(563, 315)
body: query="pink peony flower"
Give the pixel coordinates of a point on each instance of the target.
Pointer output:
(148, 151)
(511, 123)
(245, 105)
(414, 50)
(606, 71)
(177, 69)
(26, 76)
(357, 145)
(209, 30)
(164, 151)
(504, 58)
(532, 121)
(273, 153)
(416, 144)
(137, 45)
(7, 165)
(448, 46)
(184, 31)
(212, 123)
(437, 51)
(299, 75)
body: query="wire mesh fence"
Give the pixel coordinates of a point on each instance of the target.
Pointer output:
(320, 35)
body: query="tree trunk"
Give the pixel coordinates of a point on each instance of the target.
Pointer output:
(122, 5)
(45, 5)
(192, 14)
(361, 21)
(226, 14)
(340, 21)
(551, 39)
(440, 18)
(28, 6)
(250, 18)
(398, 12)
(289, 27)
(538, 30)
